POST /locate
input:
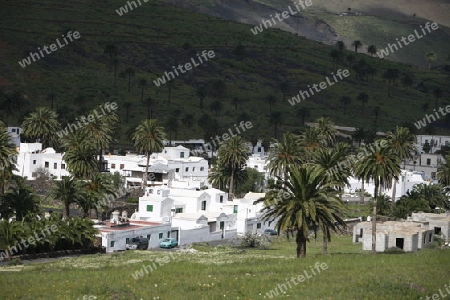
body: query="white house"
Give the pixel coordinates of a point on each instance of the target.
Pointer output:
(14, 133)
(435, 142)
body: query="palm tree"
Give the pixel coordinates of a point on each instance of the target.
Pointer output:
(81, 161)
(150, 103)
(327, 130)
(391, 75)
(340, 45)
(285, 87)
(130, 73)
(431, 56)
(402, 142)
(19, 201)
(443, 172)
(437, 92)
(41, 125)
(172, 126)
(271, 99)
(143, 84)
(98, 189)
(51, 96)
(235, 101)
(336, 56)
(284, 155)
(148, 138)
(376, 112)
(345, 100)
(357, 44)
(311, 139)
(7, 157)
(68, 191)
(202, 92)
(111, 49)
(233, 153)
(127, 105)
(382, 166)
(358, 135)
(115, 63)
(275, 120)
(216, 106)
(372, 50)
(350, 59)
(303, 112)
(306, 201)
(364, 98)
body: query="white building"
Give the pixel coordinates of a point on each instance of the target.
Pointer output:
(435, 142)
(14, 133)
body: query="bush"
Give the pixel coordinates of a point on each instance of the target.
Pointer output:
(250, 240)
(15, 262)
(132, 200)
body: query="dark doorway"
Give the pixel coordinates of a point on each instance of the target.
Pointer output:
(437, 230)
(399, 242)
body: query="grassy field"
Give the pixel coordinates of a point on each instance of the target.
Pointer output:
(224, 272)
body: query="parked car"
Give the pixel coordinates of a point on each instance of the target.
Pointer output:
(137, 243)
(168, 243)
(270, 232)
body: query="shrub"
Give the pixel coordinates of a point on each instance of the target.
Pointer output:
(394, 250)
(250, 240)
(15, 262)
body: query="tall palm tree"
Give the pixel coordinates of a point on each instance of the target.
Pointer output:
(443, 172)
(148, 138)
(437, 92)
(81, 161)
(285, 87)
(358, 135)
(97, 190)
(372, 50)
(275, 120)
(130, 73)
(357, 44)
(285, 154)
(42, 124)
(382, 166)
(431, 56)
(143, 84)
(68, 191)
(327, 130)
(303, 113)
(350, 59)
(127, 105)
(202, 92)
(391, 75)
(364, 98)
(307, 200)
(150, 103)
(233, 153)
(172, 126)
(402, 142)
(311, 139)
(340, 45)
(271, 100)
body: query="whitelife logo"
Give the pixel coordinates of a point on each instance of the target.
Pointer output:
(318, 87)
(243, 125)
(411, 38)
(284, 15)
(124, 9)
(162, 80)
(35, 56)
(428, 118)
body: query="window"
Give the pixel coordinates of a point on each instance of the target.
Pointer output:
(14, 130)
(222, 225)
(113, 166)
(46, 164)
(127, 240)
(177, 170)
(34, 161)
(235, 209)
(203, 205)
(168, 234)
(255, 166)
(202, 168)
(193, 169)
(122, 166)
(178, 210)
(258, 225)
(149, 207)
(112, 243)
(429, 238)
(181, 154)
(55, 166)
(221, 199)
(160, 235)
(447, 143)
(428, 161)
(187, 169)
(259, 149)
(63, 166)
(437, 230)
(149, 237)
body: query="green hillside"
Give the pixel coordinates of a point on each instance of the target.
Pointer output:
(156, 36)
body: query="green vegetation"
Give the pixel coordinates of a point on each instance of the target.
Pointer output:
(229, 273)
(115, 54)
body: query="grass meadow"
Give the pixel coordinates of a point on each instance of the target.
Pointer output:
(225, 272)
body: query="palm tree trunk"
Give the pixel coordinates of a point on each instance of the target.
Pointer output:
(374, 218)
(301, 244)
(66, 209)
(361, 194)
(394, 190)
(230, 188)
(325, 241)
(144, 181)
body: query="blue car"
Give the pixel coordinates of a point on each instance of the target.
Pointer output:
(168, 243)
